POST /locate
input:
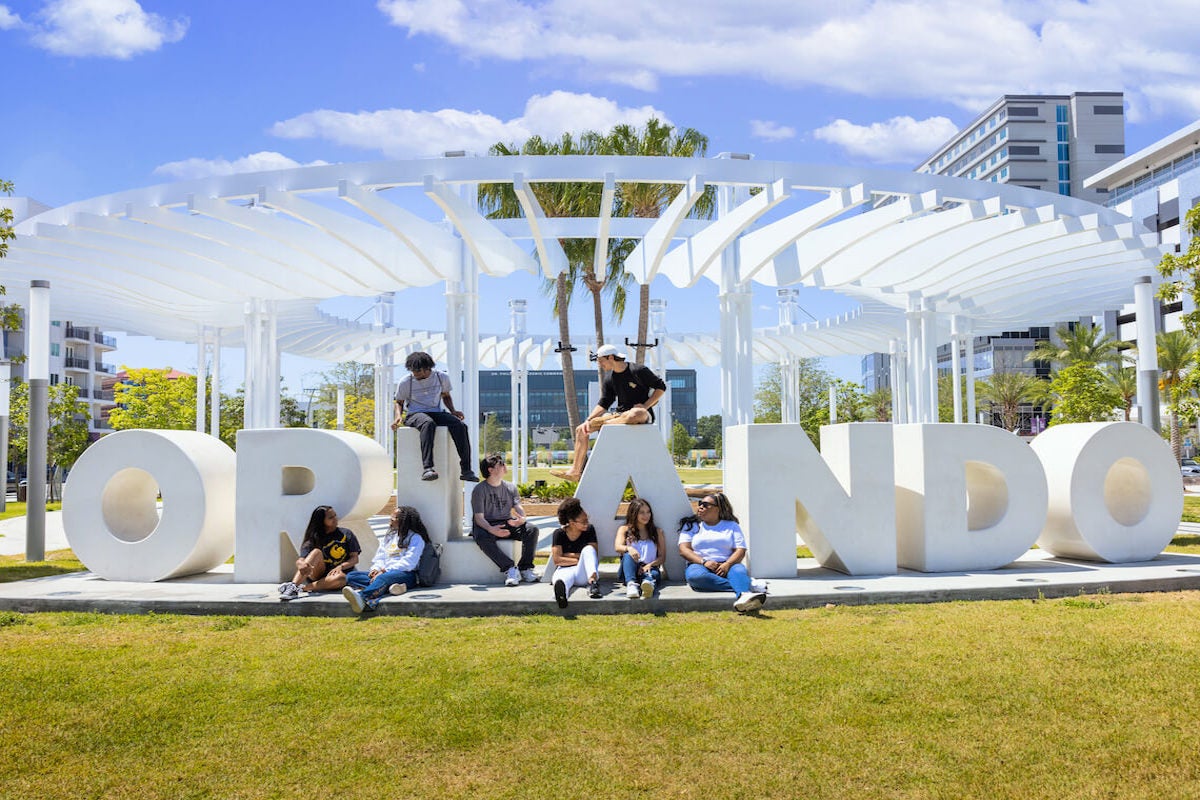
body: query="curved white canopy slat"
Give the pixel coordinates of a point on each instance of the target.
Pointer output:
(169, 260)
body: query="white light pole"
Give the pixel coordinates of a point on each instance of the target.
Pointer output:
(5, 377)
(37, 348)
(518, 413)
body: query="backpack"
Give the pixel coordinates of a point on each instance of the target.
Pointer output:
(429, 567)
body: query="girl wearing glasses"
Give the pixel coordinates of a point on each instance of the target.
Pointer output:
(712, 544)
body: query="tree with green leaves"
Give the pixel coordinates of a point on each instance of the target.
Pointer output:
(150, 398)
(879, 404)
(649, 200)
(68, 431)
(9, 314)
(1082, 394)
(492, 435)
(1183, 274)
(358, 381)
(499, 201)
(681, 443)
(1177, 351)
(1006, 392)
(710, 429)
(1123, 381)
(1082, 344)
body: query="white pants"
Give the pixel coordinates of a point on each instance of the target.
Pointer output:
(578, 575)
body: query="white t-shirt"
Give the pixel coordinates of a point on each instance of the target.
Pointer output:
(646, 549)
(716, 542)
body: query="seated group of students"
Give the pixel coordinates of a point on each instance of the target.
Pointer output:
(710, 541)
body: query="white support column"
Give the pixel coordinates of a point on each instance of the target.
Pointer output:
(897, 383)
(1147, 357)
(262, 365)
(214, 408)
(929, 354)
(385, 370)
(341, 410)
(518, 432)
(914, 375)
(737, 331)
(969, 356)
(956, 365)
(201, 368)
(469, 399)
(524, 387)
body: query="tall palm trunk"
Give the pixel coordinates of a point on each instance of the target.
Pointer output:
(643, 321)
(564, 337)
(1176, 435)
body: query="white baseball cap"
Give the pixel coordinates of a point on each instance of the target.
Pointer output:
(609, 350)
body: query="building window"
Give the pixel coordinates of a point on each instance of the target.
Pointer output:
(1110, 149)
(54, 379)
(1024, 150)
(1022, 111)
(1064, 133)
(55, 350)
(1064, 172)
(1060, 114)
(1064, 188)
(57, 323)
(1108, 110)
(1064, 152)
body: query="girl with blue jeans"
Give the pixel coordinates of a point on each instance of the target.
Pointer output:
(394, 567)
(641, 545)
(714, 547)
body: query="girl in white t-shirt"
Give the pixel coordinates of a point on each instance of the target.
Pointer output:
(641, 545)
(714, 547)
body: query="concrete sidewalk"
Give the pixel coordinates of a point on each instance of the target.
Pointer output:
(1034, 574)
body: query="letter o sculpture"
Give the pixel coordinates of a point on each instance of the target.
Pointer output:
(109, 505)
(1115, 491)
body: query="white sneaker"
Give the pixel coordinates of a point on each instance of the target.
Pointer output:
(529, 576)
(398, 588)
(749, 601)
(647, 588)
(632, 590)
(759, 586)
(354, 599)
(288, 591)
(512, 578)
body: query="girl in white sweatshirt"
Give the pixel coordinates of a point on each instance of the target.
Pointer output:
(394, 567)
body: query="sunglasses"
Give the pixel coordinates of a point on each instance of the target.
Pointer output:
(704, 504)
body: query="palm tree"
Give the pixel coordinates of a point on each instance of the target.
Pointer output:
(1083, 344)
(557, 200)
(1177, 352)
(1008, 391)
(649, 200)
(1124, 381)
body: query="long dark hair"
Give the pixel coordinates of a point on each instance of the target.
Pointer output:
(409, 521)
(316, 527)
(724, 512)
(631, 520)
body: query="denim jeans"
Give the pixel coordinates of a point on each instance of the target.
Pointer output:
(372, 590)
(628, 571)
(702, 580)
(427, 422)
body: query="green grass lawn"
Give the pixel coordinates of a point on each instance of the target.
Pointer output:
(1081, 697)
(14, 509)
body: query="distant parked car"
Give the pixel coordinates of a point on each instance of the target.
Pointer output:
(1189, 468)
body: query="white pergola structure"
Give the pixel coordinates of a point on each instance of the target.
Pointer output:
(244, 260)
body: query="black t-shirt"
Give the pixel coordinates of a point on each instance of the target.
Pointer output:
(568, 547)
(336, 547)
(632, 386)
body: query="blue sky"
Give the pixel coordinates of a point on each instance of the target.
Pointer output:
(106, 95)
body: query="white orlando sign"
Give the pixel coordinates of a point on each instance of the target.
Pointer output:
(878, 497)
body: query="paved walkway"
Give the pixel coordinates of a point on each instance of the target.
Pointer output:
(1034, 574)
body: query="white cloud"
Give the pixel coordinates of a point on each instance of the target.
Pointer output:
(771, 131)
(402, 133)
(8, 18)
(898, 140)
(968, 54)
(205, 167)
(419, 66)
(105, 28)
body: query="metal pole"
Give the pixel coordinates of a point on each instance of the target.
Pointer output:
(5, 378)
(341, 409)
(37, 348)
(1147, 357)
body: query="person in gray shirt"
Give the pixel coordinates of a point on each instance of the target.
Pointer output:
(421, 394)
(497, 514)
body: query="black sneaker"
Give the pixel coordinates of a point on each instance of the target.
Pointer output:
(429, 475)
(560, 594)
(594, 590)
(469, 477)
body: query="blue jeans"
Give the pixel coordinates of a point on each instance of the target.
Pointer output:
(628, 571)
(372, 590)
(702, 580)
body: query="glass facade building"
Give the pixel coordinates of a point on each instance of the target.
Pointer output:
(546, 407)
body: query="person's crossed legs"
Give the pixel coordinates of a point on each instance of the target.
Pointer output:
(632, 416)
